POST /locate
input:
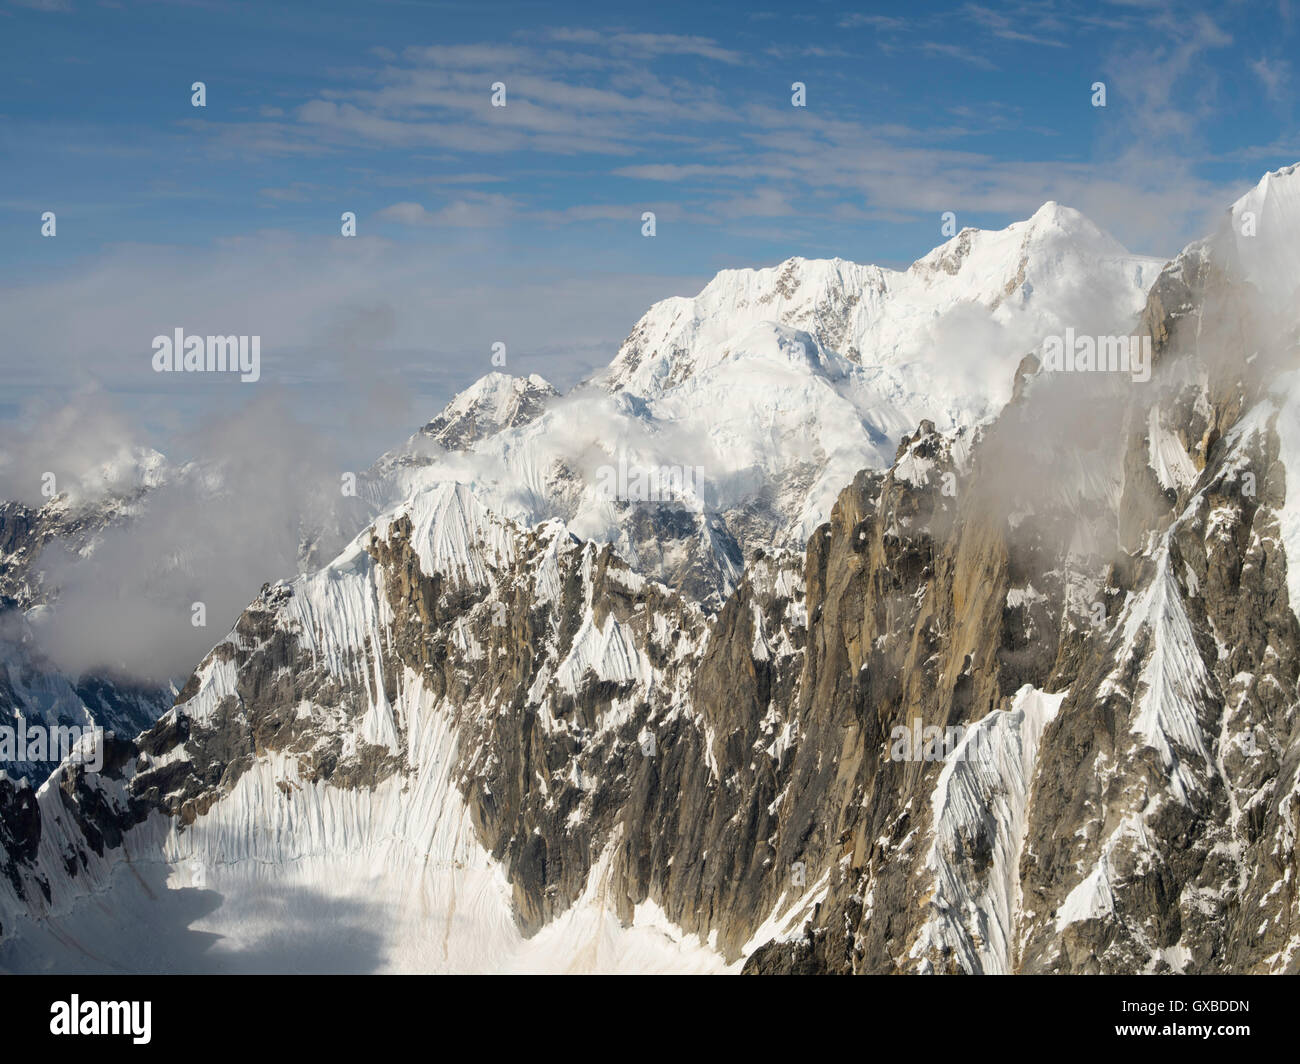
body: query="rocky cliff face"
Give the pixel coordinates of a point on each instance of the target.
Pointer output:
(1027, 702)
(1126, 817)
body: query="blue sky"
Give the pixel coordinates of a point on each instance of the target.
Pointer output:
(523, 224)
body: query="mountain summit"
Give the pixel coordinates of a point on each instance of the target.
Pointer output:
(778, 385)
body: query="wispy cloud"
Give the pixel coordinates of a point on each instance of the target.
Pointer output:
(1009, 23)
(956, 51)
(1274, 75)
(877, 22)
(473, 211)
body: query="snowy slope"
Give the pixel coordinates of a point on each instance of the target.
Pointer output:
(981, 801)
(1259, 234)
(1287, 427)
(938, 341)
(329, 880)
(291, 872)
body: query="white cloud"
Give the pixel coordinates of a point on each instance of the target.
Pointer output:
(1274, 75)
(473, 211)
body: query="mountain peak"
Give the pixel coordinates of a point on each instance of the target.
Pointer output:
(494, 402)
(1062, 217)
(1261, 234)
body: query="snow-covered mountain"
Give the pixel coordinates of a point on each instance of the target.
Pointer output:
(74, 510)
(768, 391)
(938, 341)
(105, 569)
(33, 690)
(1021, 698)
